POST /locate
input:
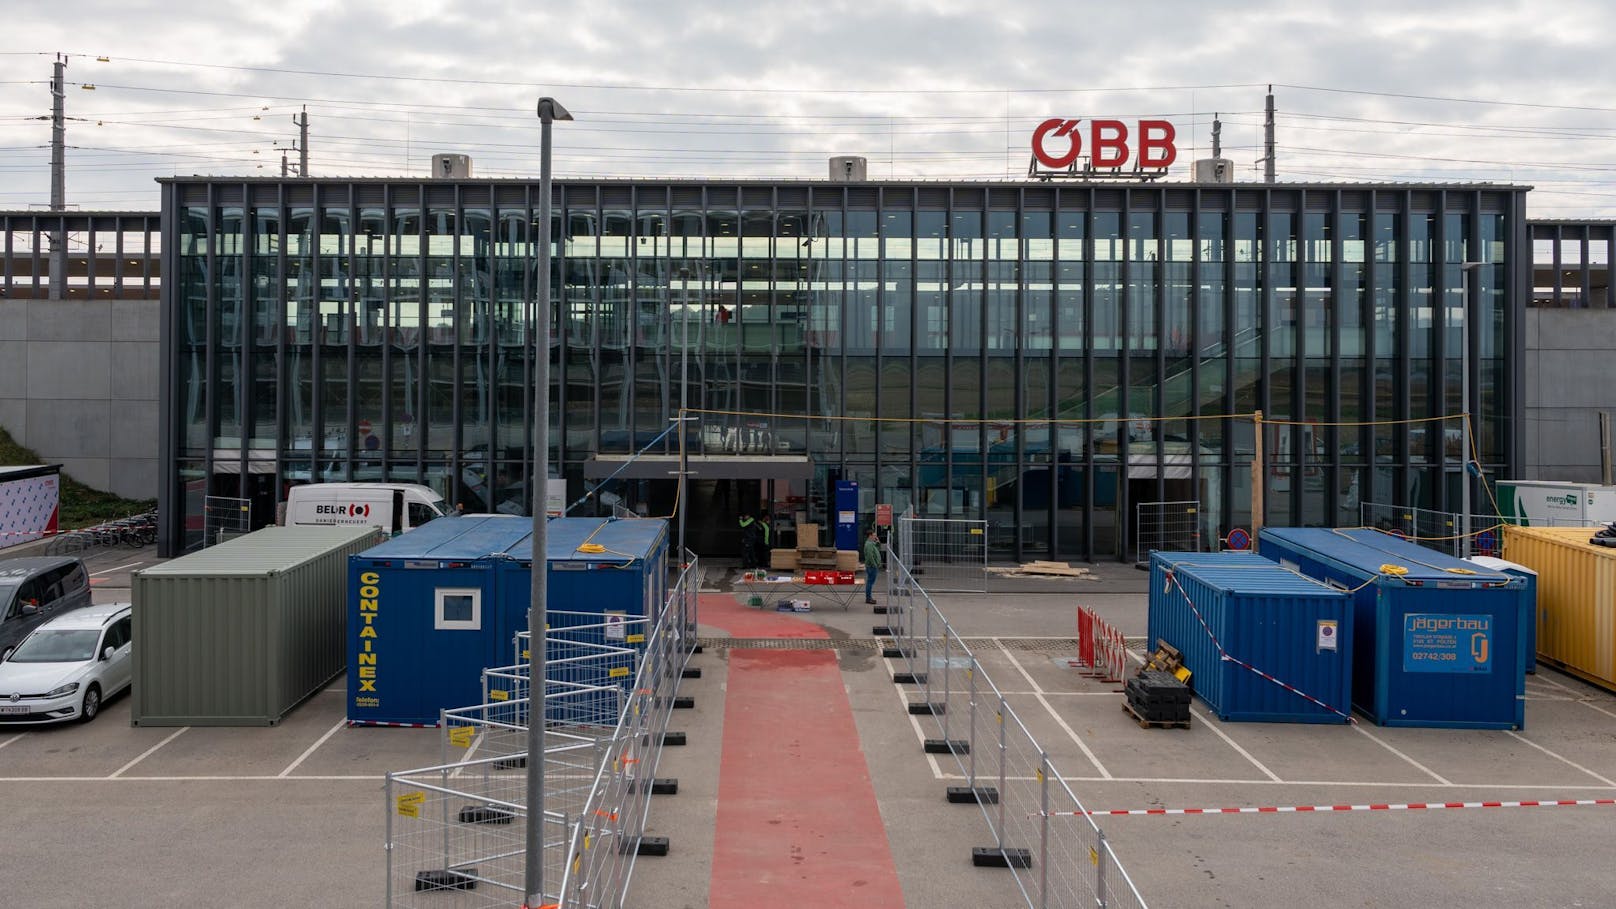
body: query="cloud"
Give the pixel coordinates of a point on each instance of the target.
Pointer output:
(1374, 91)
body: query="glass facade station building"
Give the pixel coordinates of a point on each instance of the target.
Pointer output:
(1043, 356)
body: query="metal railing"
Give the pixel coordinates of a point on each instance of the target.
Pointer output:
(455, 832)
(1443, 530)
(952, 553)
(1040, 829)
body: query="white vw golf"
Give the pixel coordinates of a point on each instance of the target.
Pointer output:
(68, 666)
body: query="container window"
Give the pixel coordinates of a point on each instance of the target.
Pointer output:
(458, 609)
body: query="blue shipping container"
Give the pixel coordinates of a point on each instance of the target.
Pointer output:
(1293, 628)
(432, 608)
(1437, 641)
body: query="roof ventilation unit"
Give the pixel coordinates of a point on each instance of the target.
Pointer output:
(849, 169)
(451, 167)
(1214, 170)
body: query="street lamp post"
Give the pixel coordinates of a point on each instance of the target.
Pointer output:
(549, 111)
(1465, 268)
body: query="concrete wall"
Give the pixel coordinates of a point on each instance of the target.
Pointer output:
(1570, 377)
(78, 385)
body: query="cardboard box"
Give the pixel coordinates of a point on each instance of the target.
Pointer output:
(807, 536)
(847, 560)
(784, 560)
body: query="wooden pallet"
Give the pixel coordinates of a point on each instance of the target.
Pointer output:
(1152, 724)
(1043, 569)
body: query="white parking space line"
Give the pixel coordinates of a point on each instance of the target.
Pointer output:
(1387, 745)
(97, 574)
(314, 747)
(1576, 695)
(148, 753)
(1210, 724)
(920, 733)
(1038, 692)
(1561, 758)
(12, 739)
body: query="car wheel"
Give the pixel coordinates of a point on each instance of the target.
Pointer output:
(92, 704)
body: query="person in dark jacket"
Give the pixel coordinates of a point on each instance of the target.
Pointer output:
(749, 538)
(766, 529)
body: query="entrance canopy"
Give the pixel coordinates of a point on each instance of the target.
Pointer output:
(702, 467)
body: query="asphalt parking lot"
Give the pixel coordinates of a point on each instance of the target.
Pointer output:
(294, 814)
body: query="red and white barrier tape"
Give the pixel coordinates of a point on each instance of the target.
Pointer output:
(1322, 809)
(1224, 654)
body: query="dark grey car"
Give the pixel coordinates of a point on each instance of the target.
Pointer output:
(35, 589)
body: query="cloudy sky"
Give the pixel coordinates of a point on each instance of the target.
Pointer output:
(945, 89)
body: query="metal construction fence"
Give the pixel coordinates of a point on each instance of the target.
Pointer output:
(1167, 527)
(1442, 530)
(951, 553)
(224, 517)
(456, 831)
(1039, 828)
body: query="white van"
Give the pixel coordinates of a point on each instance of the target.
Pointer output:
(394, 507)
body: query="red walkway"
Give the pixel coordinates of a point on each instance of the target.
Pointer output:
(798, 823)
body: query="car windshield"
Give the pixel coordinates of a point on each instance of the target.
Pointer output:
(65, 646)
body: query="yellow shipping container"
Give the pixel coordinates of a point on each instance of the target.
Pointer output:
(1576, 597)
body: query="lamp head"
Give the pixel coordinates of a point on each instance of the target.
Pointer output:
(551, 109)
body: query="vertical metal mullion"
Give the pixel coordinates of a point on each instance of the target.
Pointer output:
(351, 327)
(1018, 407)
(423, 383)
(1192, 427)
(170, 523)
(1090, 448)
(982, 360)
(387, 327)
(1518, 278)
(1159, 306)
(1230, 358)
(1404, 341)
(879, 335)
(1265, 321)
(249, 355)
(1124, 376)
(952, 335)
(1298, 280)
(311, 281)
(1371, 404)
(530, 324)
(210, 419)
(1332, 477)
(285, 383)
(457, 308)
(913, 456)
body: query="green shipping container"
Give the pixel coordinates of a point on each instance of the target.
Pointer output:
(239, 634)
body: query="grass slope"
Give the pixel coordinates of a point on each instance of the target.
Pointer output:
(81, 505)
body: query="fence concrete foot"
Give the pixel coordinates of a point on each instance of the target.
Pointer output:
(645, 845)
(484, 814)
(690, 672)
(445, 880)
(1000, 857)
(931, 708)
(909, 678)
(664, 786)
(684, 703)
(947, 746)
(883, 631)
(965, 795)
(893, 653)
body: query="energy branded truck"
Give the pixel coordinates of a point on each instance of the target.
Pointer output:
(1549, 503)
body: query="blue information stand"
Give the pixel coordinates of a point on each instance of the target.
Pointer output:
(846, 515)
